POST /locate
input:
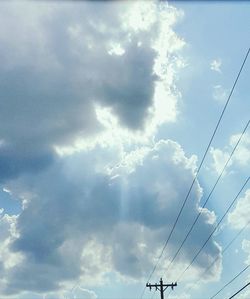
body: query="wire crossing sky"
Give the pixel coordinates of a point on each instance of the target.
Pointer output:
(196, 175)
(215, 228)
(223, 251)
(207, 199)
(242, 271)
(240, 290)
(119, 121)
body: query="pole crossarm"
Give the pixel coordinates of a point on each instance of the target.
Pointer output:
(161, 286)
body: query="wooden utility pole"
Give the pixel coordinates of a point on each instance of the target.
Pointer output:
(161, 287)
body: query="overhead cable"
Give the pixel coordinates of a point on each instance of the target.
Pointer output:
(198, 170)
(241, 272)
(215, 228)
(219, 255)
(240, 290)
(211, 192)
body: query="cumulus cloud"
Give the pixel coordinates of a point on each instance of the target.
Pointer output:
(219, 159)
(84, 224)
(60, 61)
(215, 65)
(239, 217)
(7, 235)
(241, 157)
(86, 87)
(243, 153)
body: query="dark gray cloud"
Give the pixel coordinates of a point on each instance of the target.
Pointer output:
(82, 216)
(16, 160)
(56, 66)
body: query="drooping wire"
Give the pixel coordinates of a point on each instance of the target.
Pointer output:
(241, 272)
(215, 228)
(239, 290)
(198, 170)
(211, 192)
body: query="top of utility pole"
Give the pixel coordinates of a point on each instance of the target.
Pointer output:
(161, 287)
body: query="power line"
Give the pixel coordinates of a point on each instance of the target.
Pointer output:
(241, 272)
(198, 170)
(222, 252)
(211, 192)
(216, 227)
(240, 290)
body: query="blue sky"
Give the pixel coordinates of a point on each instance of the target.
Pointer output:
(106, 111)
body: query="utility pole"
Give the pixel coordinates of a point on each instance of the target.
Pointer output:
(161, 287)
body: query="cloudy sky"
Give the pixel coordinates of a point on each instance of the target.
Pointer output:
(106, 110)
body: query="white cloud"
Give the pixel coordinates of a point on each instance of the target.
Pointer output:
(219, 159)
(240, 158)
(8, 258)
(140, 17)
(215, 65)
(239, 217)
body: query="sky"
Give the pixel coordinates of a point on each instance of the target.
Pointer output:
(106, 111)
